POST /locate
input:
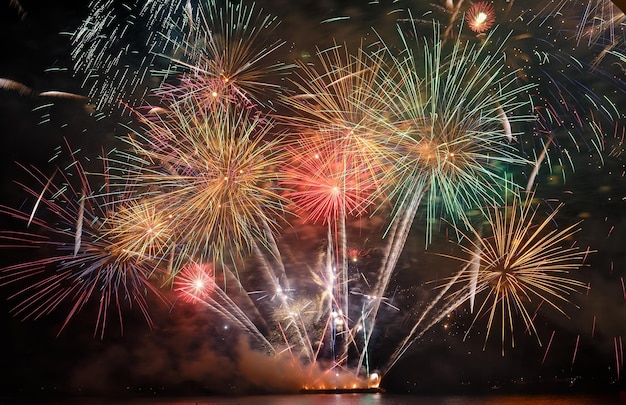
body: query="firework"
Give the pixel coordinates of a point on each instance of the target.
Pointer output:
(596, 24)
(113, 49)
(337, 166)
(87, 266)
(195, 282)
(571, 114)
(222, 55)
(520, 261)
(216, 171)
(428, 131)
(480, 17)
(211, 48)
(141, 229)
(450, 139)
(327, 181)
(333, 109)
(328, 185)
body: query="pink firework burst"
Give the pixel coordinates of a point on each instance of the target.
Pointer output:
(480, 17)
(195, 282)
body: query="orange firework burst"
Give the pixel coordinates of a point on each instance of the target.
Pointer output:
(480, 17)
(141, 229)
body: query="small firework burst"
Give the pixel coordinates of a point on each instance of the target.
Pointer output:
(480, 17)
(141, 229)
(195, 282)
(222, 55)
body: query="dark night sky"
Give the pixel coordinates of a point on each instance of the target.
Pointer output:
(187, 347)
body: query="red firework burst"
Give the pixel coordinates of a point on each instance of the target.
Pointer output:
(480, 17)
(328, 181)
(195, 282)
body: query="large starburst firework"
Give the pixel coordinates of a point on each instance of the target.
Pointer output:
(451, 118)
(216, 171)
(519, 260)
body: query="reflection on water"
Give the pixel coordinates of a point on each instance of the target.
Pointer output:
(370, 399)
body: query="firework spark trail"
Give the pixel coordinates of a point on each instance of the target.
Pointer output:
(79, 223)
(528, 331)
(506, 125)
(413, 335)
(621, 353)
(575, 352)
(548, 348)
(595, 23)
(395, 245)
(619, 361)
(225, 306)
(38, 201)
(196, 283)
(272, 245)
(593, 327)
(537, 164)
(279, 292)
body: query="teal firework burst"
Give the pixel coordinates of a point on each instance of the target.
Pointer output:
(452, 119)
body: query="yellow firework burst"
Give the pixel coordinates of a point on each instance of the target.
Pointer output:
(216, 172)
(524, 260)
(141, 229)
